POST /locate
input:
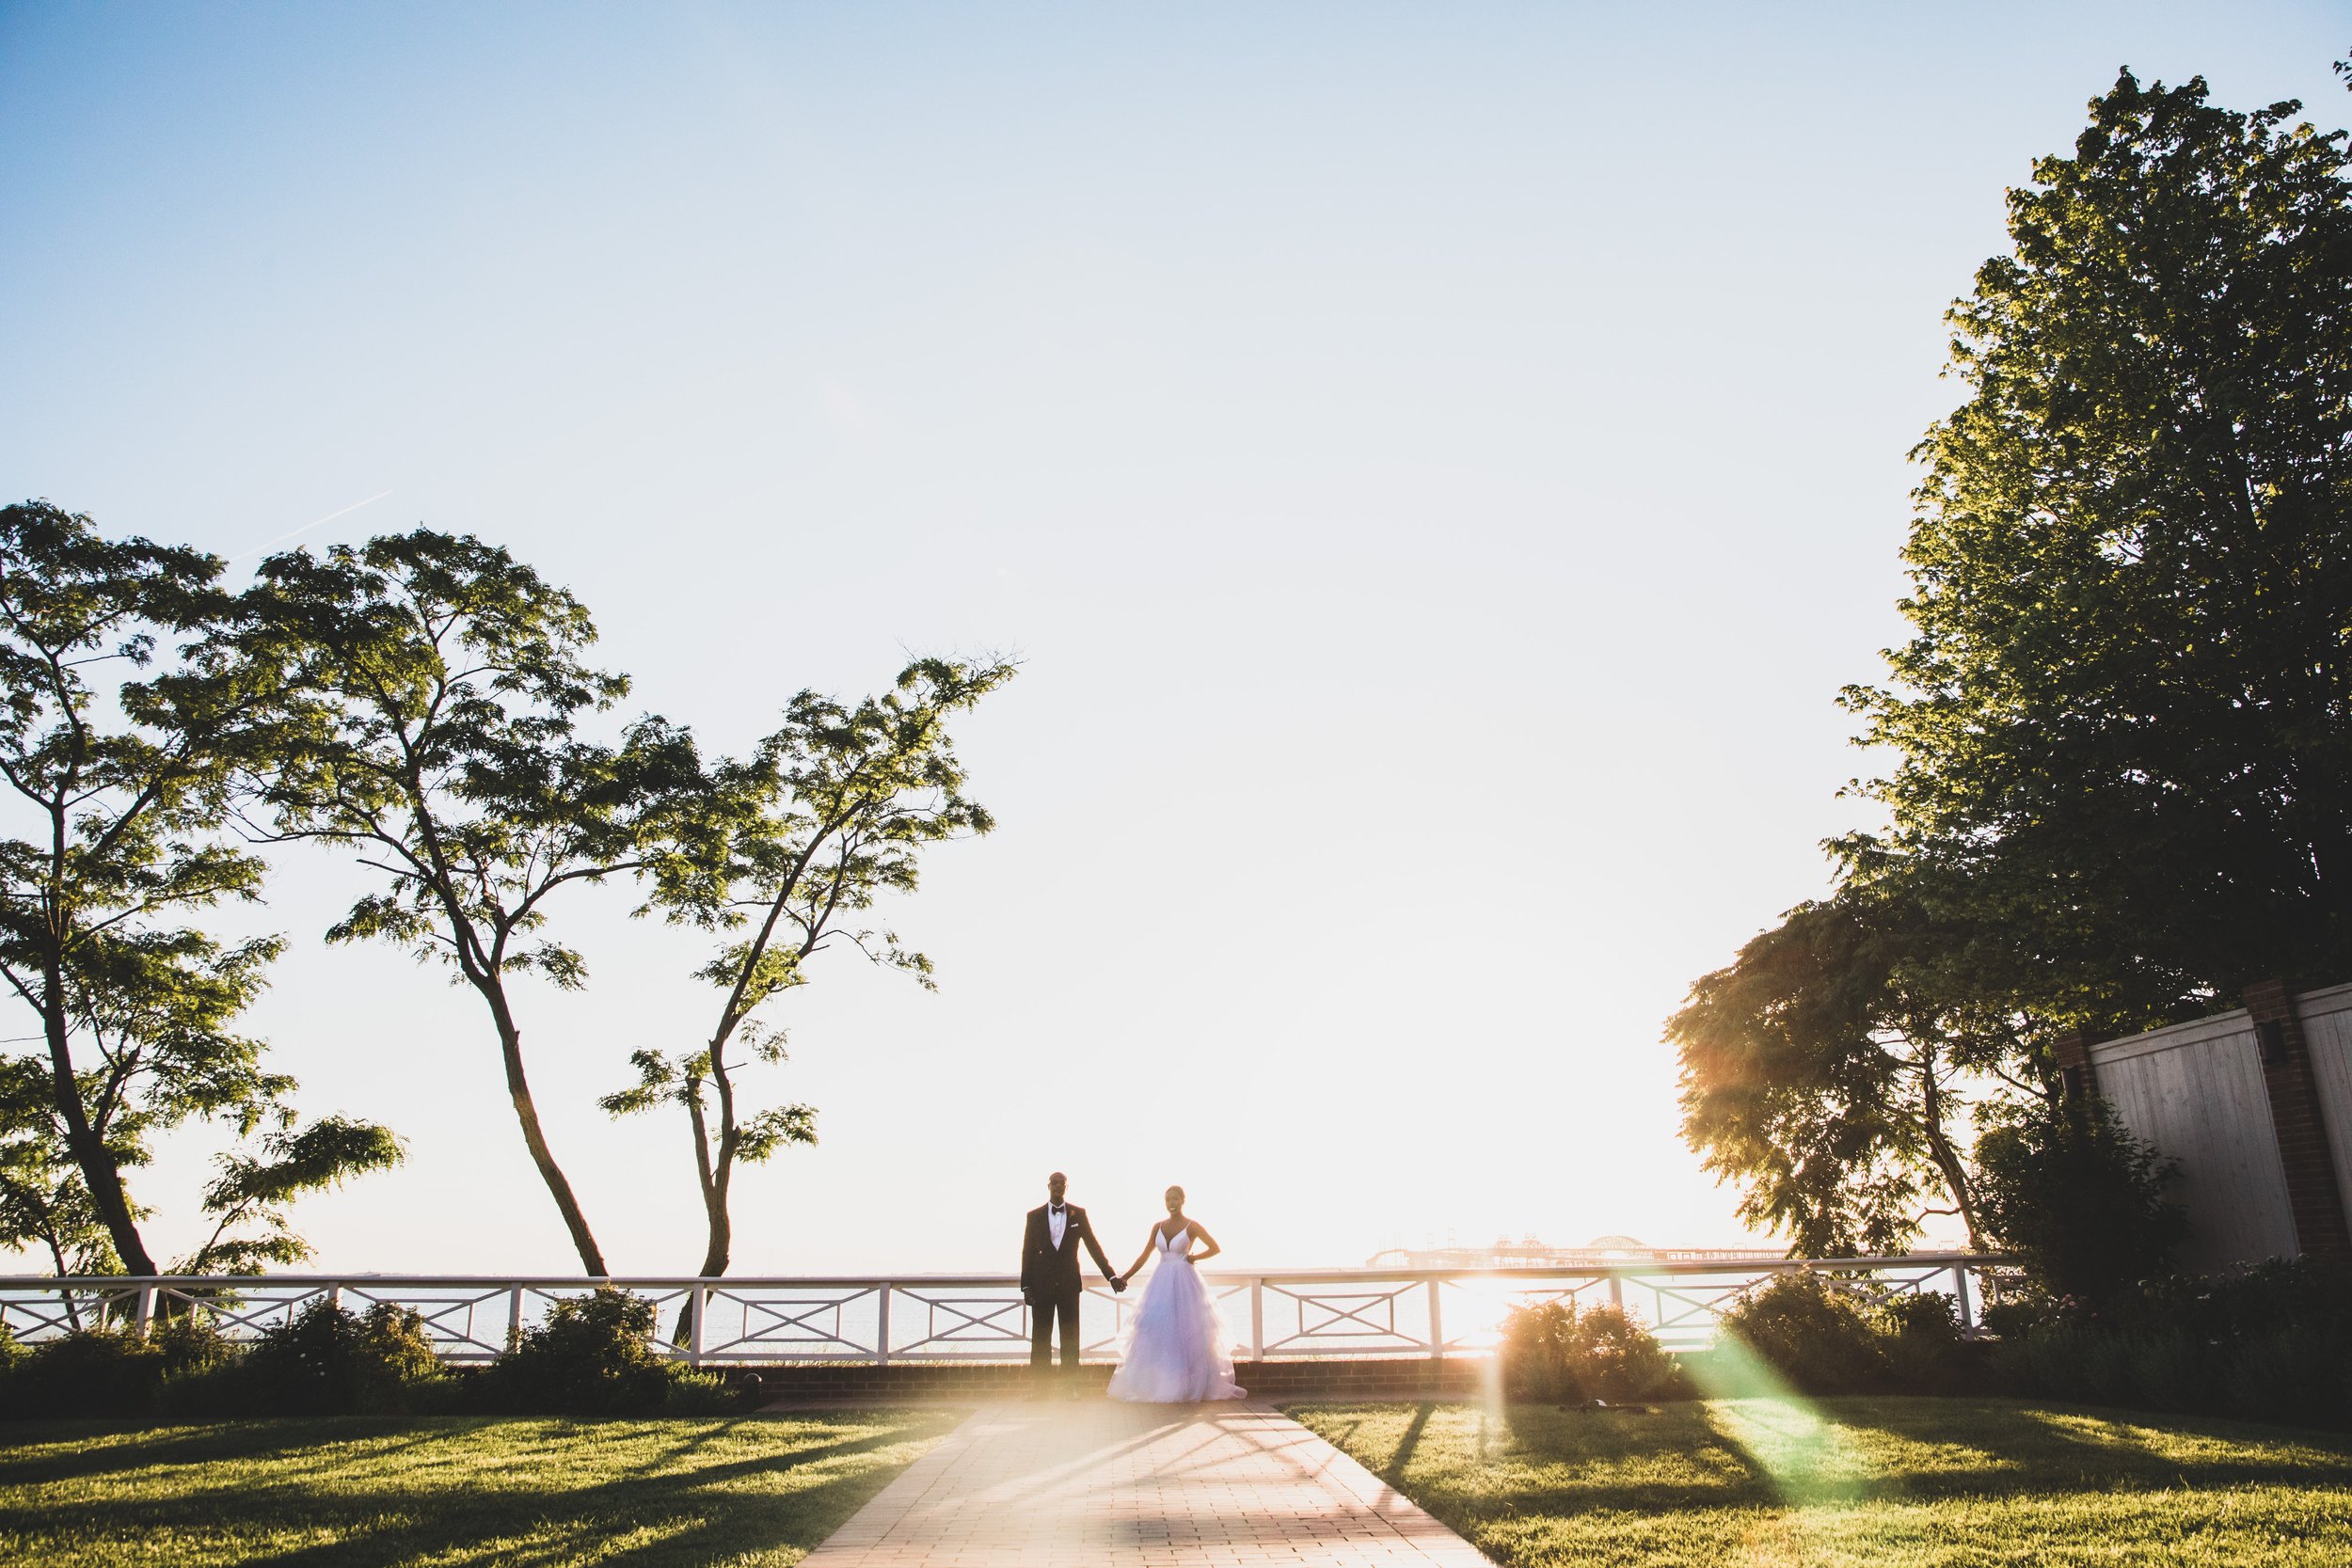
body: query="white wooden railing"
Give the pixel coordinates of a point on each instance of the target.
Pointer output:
(1430, 1313)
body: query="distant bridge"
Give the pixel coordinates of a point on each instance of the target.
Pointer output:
(1529, 1253)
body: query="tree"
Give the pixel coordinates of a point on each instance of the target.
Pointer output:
(127, 718)
(824, 818)
(1828, 1068)
(440, 684)
(44, 1202)
(2079, 1201)
(2125, 716)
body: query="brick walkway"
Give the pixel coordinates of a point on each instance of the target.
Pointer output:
(1096, 1484)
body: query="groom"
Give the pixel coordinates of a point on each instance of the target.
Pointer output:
(1049, 1273)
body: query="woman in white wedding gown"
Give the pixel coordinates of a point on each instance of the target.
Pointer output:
(1176, 1351)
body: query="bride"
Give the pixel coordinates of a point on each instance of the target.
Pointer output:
(1176, 1351)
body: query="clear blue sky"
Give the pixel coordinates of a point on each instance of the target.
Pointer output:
(1437, 464)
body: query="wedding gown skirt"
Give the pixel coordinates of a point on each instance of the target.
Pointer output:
(1175, 1351)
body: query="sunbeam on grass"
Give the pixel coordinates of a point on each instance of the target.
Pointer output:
(1751, 1406)
(1770, 1479)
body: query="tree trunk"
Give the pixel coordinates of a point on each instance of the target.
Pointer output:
(1948, 1162)
(712, 1184)
(527, 1113)
(99, 1171)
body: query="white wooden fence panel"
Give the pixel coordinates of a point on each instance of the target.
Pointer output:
(2196, 1092)
(2327, 1029)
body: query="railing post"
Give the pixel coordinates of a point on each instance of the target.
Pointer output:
(514, 1319)
(694, 1335)
(1437, 1323)
(1616, 1290)
(335, 1294)
(882, 1326)
(146, 1307)
(1257, 1317)
(1960, 1290)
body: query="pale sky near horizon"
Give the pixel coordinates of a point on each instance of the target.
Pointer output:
(1436, 465)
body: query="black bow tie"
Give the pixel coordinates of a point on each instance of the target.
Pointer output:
(1056, 1209)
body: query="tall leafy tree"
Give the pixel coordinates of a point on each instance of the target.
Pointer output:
(128, 718)
(442, 685)
(2125, 715)
(1831, 1070)
(792, 850)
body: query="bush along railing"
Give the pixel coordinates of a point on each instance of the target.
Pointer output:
(591, 1355)
(1274, 1315)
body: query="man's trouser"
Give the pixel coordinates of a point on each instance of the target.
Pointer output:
(1043, 1310)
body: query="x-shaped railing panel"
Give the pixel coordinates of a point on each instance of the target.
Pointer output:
(807, 1325)
(448, 1320)
(957, 1323)
(1345, 1315)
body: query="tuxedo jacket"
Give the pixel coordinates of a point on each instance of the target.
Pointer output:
(1050, 1271)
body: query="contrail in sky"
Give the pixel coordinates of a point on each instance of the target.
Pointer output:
(309, 526)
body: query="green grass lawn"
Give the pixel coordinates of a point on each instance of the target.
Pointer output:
(753, 1489)
(1887, 1483)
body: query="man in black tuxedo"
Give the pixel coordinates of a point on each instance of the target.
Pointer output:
(1049, 1273)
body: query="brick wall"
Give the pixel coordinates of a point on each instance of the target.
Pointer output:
(2313, 1196)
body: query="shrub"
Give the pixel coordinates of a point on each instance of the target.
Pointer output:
(1920, 1343)
(1816, 1336)
(1617, 1359)
(2078, 1200)
(694, 1393)
(2272, 1343)
(90, 1371)
(591, 1357)
(1550, 1350)
(326, 1361)
(2299, 1375)
(1537, 1341)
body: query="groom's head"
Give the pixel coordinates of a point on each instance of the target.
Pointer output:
(1055, 1186)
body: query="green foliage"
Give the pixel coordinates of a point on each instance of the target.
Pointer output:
(594, 1356)
(1536, 1350)
(1619, 1360)
(692, 1393)
(2122, 728)
(1553, 1351)
(1920, 1342)
(2271, 1344)
(439, 685)
(106, 1369)
(2124, 719)
(125, 720)
(1813, 1334)
(2078, 1200)
(781, 855)
(252, 1190)
(326, 1361)
(590, 1357)
(1823, 1069)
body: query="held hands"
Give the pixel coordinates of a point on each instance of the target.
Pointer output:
(1119, 1283)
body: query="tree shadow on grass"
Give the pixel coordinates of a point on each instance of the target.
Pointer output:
(1998, 1449)
(697, 1514)
(35, 1453)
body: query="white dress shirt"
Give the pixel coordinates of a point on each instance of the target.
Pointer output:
(1058, 1222)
